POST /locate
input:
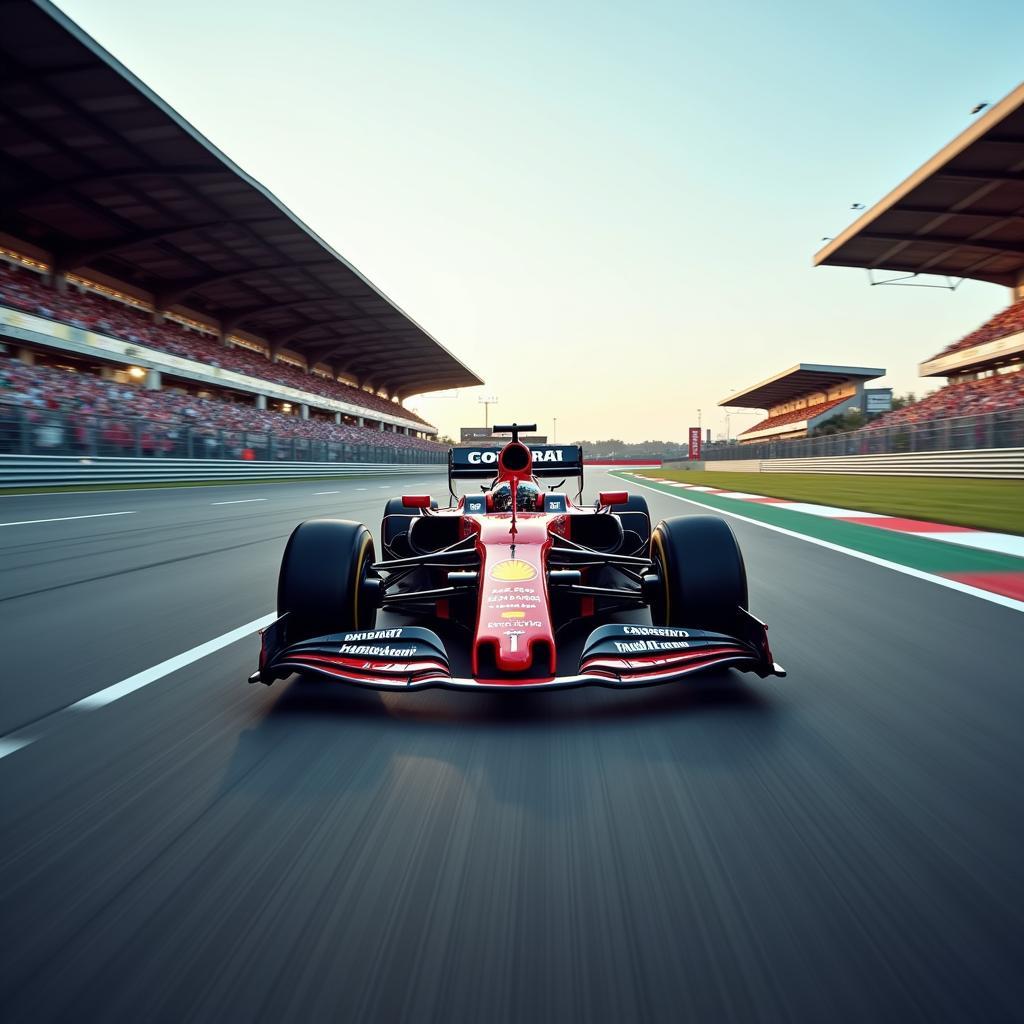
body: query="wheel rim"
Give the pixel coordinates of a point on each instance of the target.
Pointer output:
(362, 571)
(661, 608)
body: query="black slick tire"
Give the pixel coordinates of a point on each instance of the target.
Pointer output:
(703, 578)
(322, 583)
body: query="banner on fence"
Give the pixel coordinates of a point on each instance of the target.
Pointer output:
(695, 444)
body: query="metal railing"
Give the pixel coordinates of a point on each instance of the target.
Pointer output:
(44, 432)
(959, 433)
(52, 471)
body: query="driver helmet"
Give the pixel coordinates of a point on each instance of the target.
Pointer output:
(501, 498)
(527, 496)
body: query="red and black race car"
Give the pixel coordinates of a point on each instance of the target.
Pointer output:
(519, 579)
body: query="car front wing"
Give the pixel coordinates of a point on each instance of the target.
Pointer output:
(617, 656)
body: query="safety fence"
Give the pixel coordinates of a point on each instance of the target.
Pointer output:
(980, 432)
(56, 432)
(32, 471)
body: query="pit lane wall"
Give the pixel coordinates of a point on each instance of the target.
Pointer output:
(987, 463)
(54, 471)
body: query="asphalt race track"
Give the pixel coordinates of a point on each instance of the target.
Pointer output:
(842, 845)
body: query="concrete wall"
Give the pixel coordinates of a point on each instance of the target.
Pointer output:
(736, 465)
(995, 463)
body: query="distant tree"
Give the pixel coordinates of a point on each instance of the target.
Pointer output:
(900, 401)
(852, 419)
(616, 447)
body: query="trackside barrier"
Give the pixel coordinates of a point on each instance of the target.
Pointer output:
(988, 463)
(978, 432)
(651, 463)
(67, 471)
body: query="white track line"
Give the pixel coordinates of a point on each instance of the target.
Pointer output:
(963, 588)
(101, 698)
(150, 675)
(317, 494)
(9, 744)
(825, 511)
(68, 519)
(1002, 543)
(240, 501)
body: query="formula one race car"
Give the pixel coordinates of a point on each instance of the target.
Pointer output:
(509, 574)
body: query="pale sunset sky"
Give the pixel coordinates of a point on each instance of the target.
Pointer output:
(608, 211)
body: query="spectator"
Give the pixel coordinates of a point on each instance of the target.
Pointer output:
(994, 393)
(23, 289)
(59, 406)
(1006, 322)
(807, 412)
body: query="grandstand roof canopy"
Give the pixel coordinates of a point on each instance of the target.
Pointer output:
(97, 171)
(797, 381)
(960, 215)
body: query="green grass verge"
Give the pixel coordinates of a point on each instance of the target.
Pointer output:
(126, 486)
(982, 504)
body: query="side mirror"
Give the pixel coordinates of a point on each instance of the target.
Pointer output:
(613, 497)
(416, 500)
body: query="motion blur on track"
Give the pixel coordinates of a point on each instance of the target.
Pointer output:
(840, 846)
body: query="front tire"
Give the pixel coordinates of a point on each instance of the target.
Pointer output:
(703, 578)
(322, 584)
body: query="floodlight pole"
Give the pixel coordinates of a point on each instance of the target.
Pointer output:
(487, 401)
(736, 412)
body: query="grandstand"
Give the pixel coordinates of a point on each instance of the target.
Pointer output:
(803, 397)
(135, 253)
(54, 410)
(961, 216)
(996, 392)
(485, 436)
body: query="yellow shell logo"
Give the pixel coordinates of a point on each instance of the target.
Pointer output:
(513, 570)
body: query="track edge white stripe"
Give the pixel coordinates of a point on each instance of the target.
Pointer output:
(963, 588)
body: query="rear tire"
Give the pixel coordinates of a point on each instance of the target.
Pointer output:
(394, 528)
(703, 578)
(637, 520)
(322, 583)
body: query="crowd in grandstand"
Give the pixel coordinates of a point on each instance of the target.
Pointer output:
(996, 393)
(65, 411)
(1006, 322)
(25, 290)
(808, 412)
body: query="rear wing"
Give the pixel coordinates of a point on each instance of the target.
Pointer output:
(549, 461)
